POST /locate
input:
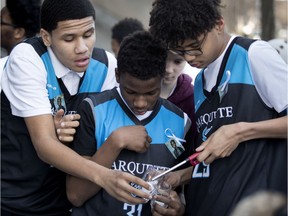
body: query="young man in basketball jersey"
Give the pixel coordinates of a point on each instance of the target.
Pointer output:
(240, 104)
(61, 63)
(114, 115)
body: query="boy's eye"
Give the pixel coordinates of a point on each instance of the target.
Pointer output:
(87, 35)
(68, 39)
(130, 92)
(151, 93)
(178, 62)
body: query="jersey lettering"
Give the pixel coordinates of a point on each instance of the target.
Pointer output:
(201, 170)
(222, 112)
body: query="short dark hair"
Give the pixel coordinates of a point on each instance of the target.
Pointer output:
(54, 11)
(174, 21)
(142, 56)
(25, 14)
(125, 27)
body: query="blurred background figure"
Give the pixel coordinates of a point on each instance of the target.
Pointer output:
(262, 203)
(19, 20)
(281, 46)
(122, 29)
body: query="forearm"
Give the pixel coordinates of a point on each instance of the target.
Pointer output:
(51, 151)
(80, 190)
(274, 128)
(184, 176)
(108, 152)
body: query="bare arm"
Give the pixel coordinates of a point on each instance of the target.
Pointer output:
(50, 150)
(134, 138)
(226, 139)
(179, 177)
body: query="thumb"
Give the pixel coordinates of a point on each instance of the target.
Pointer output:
(59, 115)
(200, 148)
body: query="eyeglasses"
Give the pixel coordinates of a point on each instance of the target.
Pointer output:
(9, 24)
(191, 52)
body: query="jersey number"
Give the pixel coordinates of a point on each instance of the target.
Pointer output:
(133, 209)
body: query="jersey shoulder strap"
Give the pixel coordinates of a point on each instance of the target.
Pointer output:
(244, 42)
(100, 55)
(38, 44)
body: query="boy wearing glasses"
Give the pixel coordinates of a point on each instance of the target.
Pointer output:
(240, 105)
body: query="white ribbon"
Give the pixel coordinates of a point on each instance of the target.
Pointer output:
(171, 135)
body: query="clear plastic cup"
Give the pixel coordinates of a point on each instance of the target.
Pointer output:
(160, 186)
(163, 189)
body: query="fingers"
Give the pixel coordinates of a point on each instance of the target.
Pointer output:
(134, 138)
(147, 143)
(59, 115)
(149, 139)
(203, 155)
(66, 135)
(66, 128)
(210, 159)
(200, 148)
(71, 117)
(175, 207)
(120, 187)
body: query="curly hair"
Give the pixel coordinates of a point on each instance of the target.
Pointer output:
(125, 27)
(25, 14)
(142, 56)
(174, 21)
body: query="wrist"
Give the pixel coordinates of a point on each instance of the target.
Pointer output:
(243, 131)
(185, 175)
(100, 175)
(115, 140)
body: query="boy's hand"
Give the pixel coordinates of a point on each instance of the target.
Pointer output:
(175, 207)
(65, 125)
(118, 185)
(134, 138)
(220, 144)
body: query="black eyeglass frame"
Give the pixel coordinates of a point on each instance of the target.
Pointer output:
(8, 24)
(191, 52)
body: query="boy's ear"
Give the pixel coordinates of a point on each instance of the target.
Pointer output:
(117, 75)
(46, 37)
(220, 25)
(19, 33)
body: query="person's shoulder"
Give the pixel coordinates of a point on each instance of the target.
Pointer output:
(263, 50)
(103, 56)
(186, 80)
(260, 44)
(171, 106)
(100, 97)
(111, 58)
(22, 49)
(24, 52)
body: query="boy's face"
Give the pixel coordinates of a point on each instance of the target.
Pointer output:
(72, 42)
(206, 49)
(140, 95)
(8, 32)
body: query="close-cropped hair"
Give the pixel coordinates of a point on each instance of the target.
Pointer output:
(142, 56)
(174, 21)
(125, 27)
(54, 11)
(25, 14)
